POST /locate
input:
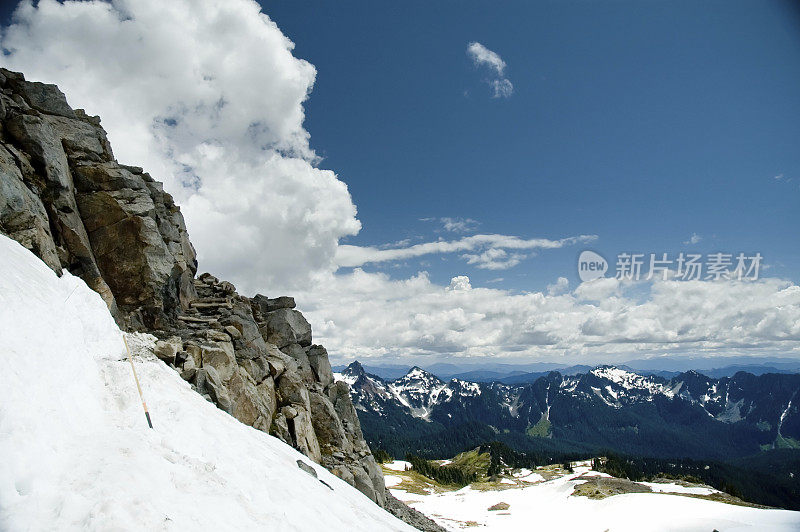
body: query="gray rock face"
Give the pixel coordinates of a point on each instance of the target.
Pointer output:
(65, 197)
(286, 326)
(264, 305)
(318, 360)
(112, 225)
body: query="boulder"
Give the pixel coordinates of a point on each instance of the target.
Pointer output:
(252, 405)
(305, 440)
(291, 391)
(280, 429)
(264, 305)
(300, 356)
(220, 356)
(43, 97)
(167, 349)
(318, 359)
(363, 483)
(286, 326)
(208, 382)
(327, 426)
(250, 343)
(376, 477)
(307, 468)
(257, 368)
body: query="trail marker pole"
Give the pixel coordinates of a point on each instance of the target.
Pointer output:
(138, 386)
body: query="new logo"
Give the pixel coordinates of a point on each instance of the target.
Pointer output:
(591, 266)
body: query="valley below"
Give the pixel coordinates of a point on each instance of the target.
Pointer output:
(583, 499)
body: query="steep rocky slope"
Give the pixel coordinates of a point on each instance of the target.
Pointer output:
(64, 197)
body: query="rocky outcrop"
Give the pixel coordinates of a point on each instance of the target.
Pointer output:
(65, 197)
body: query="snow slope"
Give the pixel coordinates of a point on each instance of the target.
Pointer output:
(76, 450)
(549, 505)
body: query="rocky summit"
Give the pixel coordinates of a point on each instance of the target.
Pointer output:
(64, 197)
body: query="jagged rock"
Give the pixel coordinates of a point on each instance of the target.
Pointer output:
(376, 478)
(327, 426)
(218, 336)
(195, 352)
(226, 287)
(307, 468)
(339, 394)
(252, 405)
(281, 361)
(363, 483)
(167, 349)
(265, 305)
(250, 344)
(300, 356)
(188, 363)
(220, 356)
(289, 412)
(232, 331)
(276, 366)
(286, 326)
(22, 214)
(257, 368)
(344, 474)
(207, 381)
(280, 429)
(208, 278)
(318, 359)
(292, 391)
(43, 97)
(302, 430)
(188, 374)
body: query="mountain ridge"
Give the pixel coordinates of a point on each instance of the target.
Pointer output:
(746, 412)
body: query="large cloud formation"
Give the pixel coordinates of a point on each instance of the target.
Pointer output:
(209, 98)
(365, 315)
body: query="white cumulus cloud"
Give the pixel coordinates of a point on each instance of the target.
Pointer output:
(606, 320)
(491, 246)
(207, 96)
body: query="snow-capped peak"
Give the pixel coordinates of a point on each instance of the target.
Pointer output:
(630, 380)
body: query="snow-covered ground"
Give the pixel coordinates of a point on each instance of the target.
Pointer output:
(549, 505)
(527, 475)
(76, 450)
(671, 487)
(398, 465)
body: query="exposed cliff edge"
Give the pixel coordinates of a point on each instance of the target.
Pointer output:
(65, 198)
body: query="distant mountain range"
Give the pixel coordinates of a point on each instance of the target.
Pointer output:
(524, 373)
(686, 415)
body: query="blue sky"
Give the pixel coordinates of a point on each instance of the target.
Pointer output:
(640, 122)
(659, 127)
